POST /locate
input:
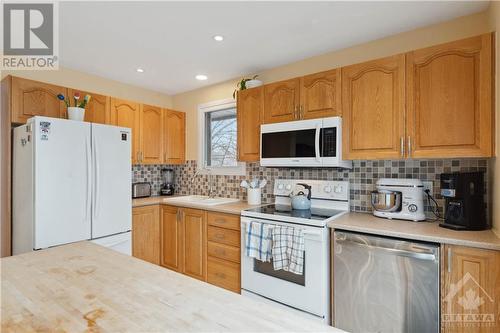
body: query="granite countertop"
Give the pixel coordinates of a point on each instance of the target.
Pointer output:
(86, 287)
(423, 231)
(229, 208)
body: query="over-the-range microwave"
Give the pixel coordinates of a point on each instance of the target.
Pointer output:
(303, 143)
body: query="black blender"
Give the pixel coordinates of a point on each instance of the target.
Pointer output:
(167, 187)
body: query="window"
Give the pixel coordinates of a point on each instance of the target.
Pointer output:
(218, 139)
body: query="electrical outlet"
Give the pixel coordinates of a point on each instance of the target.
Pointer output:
(428, 185)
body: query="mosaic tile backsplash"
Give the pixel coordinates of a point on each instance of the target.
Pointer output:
(362, 177)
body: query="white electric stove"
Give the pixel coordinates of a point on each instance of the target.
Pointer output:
(308, 292)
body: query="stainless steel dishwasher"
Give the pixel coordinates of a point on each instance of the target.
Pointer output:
(384, 284)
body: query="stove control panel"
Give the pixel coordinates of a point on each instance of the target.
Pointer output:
(320, 189)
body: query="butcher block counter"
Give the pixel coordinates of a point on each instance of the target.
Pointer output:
(83, 286)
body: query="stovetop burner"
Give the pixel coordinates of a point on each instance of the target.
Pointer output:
(285, 210)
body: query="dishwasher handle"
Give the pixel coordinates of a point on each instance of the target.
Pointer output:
(420, 253)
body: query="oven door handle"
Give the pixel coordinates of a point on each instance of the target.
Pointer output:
(316, 143)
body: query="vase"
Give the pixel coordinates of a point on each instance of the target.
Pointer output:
(253, 83)
(76, 113)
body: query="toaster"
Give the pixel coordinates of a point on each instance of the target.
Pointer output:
(141, 190)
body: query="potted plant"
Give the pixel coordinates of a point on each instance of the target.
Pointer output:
(77, 111)
(247, 83)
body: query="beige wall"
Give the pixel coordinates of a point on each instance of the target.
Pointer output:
(92, 83)
(459, 28)
(494, 17)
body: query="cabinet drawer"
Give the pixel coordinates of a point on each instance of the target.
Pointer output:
(224, 236)
(224, 251)
(224, 220)
(224, 274)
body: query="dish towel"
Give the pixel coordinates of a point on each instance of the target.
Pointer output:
(288, 249)
(258, 241)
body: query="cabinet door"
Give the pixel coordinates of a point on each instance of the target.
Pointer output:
(195, 243)
(320, 95)
(373, 108)
(281, 101)
(151, 141)
(146, 233)
(97, 110)
(249, 111)
(127, 114)
(32, 98)
(175, 137)
(470, 288)
(450, 99)
(171, 238)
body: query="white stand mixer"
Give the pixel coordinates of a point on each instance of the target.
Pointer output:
(399, 199)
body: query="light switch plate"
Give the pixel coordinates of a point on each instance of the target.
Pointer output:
(428, 185)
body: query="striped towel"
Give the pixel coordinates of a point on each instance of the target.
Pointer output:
(258, 241)
(288, 249)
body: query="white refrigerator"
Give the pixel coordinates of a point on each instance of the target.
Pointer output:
(71, 182)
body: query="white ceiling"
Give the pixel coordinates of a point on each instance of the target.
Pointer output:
(172, 41)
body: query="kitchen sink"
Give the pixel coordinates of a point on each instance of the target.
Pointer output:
(201, 200)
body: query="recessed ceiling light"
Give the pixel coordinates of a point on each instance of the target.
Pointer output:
(201, 77)
(219, 38)
(140, 70)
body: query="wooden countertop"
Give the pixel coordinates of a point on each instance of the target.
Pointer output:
(229, 208)
(83, 286)
(424, 231)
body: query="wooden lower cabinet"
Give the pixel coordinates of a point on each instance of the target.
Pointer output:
(171, 238)
(223, 251)
(184, 241)
(470, 290)
(146, 233)
(195, 243)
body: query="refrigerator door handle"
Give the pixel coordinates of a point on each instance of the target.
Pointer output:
(96, 181)
(89, 179)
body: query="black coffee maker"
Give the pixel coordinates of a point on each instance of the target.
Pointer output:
(167, 187)
(465, 208)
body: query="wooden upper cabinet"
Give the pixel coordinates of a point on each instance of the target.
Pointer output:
(470, 286)
(127, 114)
(195, 243)
(171, 228)
(151, 140)
(146, 233)
(450, 99)
(281, 101)
(33, 98)
(320, 95)
(97, 110)
(373, 107)
(249, 112)
(175, 137)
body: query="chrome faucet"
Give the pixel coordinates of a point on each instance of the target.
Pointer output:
(212, 188)
(196, 174)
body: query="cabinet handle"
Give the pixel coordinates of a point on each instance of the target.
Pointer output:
(409, 146)
(402, 148)
(449, 260)
(220, 221)
(295, 109)
(221, 275)
(138, 157)
(219, 236)
(301, 112)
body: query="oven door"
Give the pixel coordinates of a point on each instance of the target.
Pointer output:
(294, 143)
(307, 292)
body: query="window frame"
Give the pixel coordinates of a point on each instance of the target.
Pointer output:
(240, 168)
